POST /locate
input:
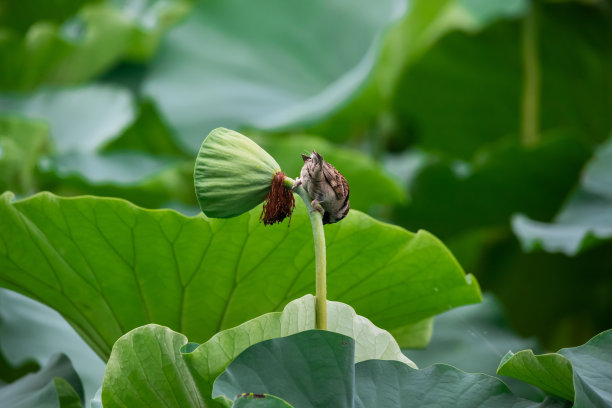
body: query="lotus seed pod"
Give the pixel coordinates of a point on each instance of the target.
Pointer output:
(232, 174)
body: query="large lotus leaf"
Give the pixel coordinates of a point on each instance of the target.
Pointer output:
(22, 143)
(124, 378)
(450, 197)
(30, 330)
(368, 181)
(580, 374)
(315, 368)
(266, 63)
(59, 51)
(452, 79)
(109, 266)
(585, 220)
(56, 385)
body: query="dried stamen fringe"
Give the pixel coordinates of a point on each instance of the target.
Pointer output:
(279, 202)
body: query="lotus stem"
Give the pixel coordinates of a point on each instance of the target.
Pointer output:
(316, 220)
(530, 106)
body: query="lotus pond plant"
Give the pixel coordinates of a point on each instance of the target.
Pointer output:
(216, 310)
(106, 103)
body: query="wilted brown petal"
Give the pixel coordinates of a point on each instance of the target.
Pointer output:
(279, 202)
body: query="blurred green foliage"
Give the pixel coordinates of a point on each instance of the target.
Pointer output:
(423, 105)
(584, 220)
(62, 44)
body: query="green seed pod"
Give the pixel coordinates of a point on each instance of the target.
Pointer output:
(232, 174)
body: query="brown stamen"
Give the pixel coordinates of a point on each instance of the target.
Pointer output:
(279, 202)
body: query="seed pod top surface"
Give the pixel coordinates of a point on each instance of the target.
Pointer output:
(232, 174)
